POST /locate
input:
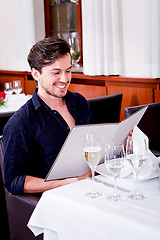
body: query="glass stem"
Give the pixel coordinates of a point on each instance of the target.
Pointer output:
(137, 185)
(115, 186)
(93, 173)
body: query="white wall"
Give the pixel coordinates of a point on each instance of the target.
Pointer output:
(21, 25)
(39, 19)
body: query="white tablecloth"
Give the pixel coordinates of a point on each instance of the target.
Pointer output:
(14, 103)
(66, 213)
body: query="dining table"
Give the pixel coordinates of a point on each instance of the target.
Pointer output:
(66, 213)
(13, 103)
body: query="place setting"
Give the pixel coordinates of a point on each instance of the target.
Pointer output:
(12, 98)
(125, 164)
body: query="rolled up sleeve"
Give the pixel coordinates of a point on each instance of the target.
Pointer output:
(16, 144)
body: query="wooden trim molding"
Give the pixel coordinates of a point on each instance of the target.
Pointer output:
(136, 91)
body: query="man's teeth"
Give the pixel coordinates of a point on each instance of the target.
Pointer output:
(61, 86)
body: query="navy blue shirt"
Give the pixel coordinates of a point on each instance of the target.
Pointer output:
(33, 137)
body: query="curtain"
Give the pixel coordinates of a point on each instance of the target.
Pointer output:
(152, 58)
(101, 45)
(24, 32)
(21, 26)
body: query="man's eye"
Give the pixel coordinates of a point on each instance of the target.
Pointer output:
(56, 73)
(69, 71)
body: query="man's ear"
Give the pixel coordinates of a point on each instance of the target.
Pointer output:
(35, 74)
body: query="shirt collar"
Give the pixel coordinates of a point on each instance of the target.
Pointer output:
(70, 99)
(37, 101)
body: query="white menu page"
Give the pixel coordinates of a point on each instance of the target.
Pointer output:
(70, 161)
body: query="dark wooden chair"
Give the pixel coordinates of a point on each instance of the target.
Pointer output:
(106, 109)
(17, 210)
(4, 117)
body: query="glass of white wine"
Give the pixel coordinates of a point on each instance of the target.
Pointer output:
(136, 160)
(114, 161)
(92, 152)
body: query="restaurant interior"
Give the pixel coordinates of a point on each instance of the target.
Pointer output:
(115, 50)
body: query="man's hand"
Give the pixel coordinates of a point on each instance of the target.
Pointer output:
(38, 185)
(88, 174)
(130, 134)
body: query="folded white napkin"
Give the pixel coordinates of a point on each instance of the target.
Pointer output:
(150, 166)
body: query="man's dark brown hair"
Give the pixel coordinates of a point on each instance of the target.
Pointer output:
(46, 51)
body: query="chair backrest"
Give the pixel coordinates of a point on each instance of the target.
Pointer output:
(1, 157)
(149, 124)
(16, 210)
(4, 117)
(3, 209)
(106, 109)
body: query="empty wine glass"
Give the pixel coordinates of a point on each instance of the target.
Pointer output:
(114, 161)
(92, 153)
(17, 87)
(136, 160)
(8, 89)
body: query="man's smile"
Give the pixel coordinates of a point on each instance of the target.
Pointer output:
(60, 85)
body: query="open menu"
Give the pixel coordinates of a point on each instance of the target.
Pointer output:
(70, 161)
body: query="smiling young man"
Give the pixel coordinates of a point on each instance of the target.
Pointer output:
(35, 134)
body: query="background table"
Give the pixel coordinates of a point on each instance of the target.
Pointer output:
(66, 213)
(14, 103)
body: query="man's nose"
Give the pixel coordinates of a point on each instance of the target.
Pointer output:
(63, 78)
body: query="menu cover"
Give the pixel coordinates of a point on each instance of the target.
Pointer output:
(70, 161)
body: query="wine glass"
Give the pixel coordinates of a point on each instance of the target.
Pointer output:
(136, 160)
(92, 153)
(17, 87)
(114, 161)
(73, 40)
(75, 49)
(8, 89)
